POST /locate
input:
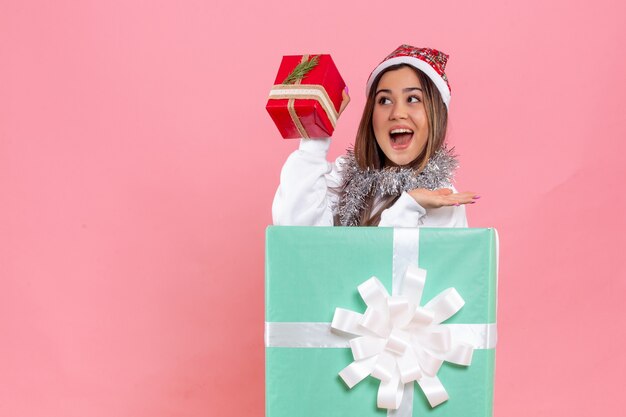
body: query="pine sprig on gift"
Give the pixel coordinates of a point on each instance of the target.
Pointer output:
(301, 70)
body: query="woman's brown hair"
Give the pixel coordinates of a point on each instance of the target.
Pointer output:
(369, 155)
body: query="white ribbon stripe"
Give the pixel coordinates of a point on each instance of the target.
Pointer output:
(398, 341)
(320, 335)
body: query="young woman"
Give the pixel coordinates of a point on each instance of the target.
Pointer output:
(400, 172)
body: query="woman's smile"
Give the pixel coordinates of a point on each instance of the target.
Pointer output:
(400, 137)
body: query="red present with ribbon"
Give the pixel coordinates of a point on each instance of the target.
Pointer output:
(305, 99)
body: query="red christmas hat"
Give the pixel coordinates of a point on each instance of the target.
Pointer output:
(430, 61)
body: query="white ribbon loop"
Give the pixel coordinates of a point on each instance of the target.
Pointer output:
(357, 371)
(413, 284)
(366, 346)
(385, 368)
(376, 321)
(437, 339)
(429, 363)
(400, 311)
(400, 341)
(373, 293)
(461, 354)
(348, 321)
(445, 305)
(390, 394)
(434, 390)
(409, 366)
(422, 317)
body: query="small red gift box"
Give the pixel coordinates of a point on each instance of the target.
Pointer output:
(305, 99)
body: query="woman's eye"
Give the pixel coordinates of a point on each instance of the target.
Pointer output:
(414, 99)
(384, 100)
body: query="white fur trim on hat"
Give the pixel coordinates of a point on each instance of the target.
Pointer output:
(440, 83)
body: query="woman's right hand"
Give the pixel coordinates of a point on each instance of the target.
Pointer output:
(441, 197)
(345, 101)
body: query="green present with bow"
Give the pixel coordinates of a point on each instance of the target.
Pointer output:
(380, 321)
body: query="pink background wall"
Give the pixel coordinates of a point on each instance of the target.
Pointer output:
(138, 165)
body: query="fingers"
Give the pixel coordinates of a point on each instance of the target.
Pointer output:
(345, 101)
(462, 198)
(438, 191)
(442, 197)
(456, 199)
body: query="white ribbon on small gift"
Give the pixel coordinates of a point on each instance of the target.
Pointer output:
(396, 340)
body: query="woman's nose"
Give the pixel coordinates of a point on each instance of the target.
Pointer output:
(398, 112)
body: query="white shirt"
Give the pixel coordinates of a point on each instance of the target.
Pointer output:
(304, 198)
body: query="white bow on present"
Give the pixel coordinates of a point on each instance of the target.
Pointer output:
(399, 342)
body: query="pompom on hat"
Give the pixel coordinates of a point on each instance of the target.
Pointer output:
(430, 61)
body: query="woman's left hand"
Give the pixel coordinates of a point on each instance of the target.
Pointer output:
(442, 197)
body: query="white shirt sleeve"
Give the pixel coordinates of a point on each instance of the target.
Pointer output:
(304, 196)
(406, 212)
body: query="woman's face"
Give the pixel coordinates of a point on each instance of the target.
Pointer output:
(399, 119)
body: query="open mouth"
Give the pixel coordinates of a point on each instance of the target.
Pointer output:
(400, 138)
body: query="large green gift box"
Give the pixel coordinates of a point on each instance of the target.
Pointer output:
(311, 271)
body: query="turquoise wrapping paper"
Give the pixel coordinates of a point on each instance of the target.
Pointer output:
(311, 270)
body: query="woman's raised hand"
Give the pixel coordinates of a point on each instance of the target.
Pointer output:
(345, 101)
(441, 197)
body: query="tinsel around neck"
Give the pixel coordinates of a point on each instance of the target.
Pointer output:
(358, 184)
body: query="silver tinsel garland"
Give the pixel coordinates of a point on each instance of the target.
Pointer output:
(391, 181)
